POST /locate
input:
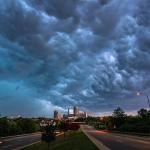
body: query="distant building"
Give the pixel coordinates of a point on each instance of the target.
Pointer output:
(57, 116)
(83, 115)
(74, 113)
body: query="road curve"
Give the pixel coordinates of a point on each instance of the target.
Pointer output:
(14, 143)
(115, 141)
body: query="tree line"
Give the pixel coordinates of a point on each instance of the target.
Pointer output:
(18, 126)
(120, 121)
(139, 123)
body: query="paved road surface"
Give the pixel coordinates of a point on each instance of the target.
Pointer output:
(115, 141)
(14, 143)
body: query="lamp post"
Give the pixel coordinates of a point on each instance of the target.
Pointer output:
(148, 101)
(138, 94)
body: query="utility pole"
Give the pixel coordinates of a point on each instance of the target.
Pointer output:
(148, 101)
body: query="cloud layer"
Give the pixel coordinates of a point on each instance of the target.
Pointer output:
(58, 53)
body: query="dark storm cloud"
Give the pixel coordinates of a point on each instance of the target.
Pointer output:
(57, 53)
(60, 8)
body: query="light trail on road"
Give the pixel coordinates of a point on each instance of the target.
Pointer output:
(117, 141)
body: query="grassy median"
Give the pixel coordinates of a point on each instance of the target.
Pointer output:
(73, 141)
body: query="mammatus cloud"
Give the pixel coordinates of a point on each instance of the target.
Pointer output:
(58, 53)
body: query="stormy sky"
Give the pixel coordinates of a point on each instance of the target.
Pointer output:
(59, 53)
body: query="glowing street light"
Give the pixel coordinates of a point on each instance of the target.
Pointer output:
(138, 94)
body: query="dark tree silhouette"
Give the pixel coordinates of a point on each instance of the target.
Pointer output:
(144, 113)
(49, 133)
(119, 117)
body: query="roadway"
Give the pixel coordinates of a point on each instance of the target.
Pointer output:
(112, 141)
(17, 142)
(116, 141)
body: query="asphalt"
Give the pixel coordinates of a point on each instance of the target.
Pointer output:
(113, 141)
(15, 143)
(116, 141)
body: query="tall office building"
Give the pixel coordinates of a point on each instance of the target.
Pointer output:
(57, 115)
(68, 111)
(76, 110)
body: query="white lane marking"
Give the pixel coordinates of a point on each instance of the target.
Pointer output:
(21, 137)
(26, 145)
(14, 136)
(21, 147)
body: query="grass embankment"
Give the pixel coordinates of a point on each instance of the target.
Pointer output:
(73, 141)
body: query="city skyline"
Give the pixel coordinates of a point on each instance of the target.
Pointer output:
(94, 54)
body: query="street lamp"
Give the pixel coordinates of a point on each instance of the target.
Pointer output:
(139, 93)
(148, 100)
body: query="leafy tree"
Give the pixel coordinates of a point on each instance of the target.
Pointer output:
(119, 113)
(4, 126)
(49, 133)
(17, 126)
(148, 113)
(143, 113)
(119, 117)
(13, 128)
(27, 125)
(109, 122)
